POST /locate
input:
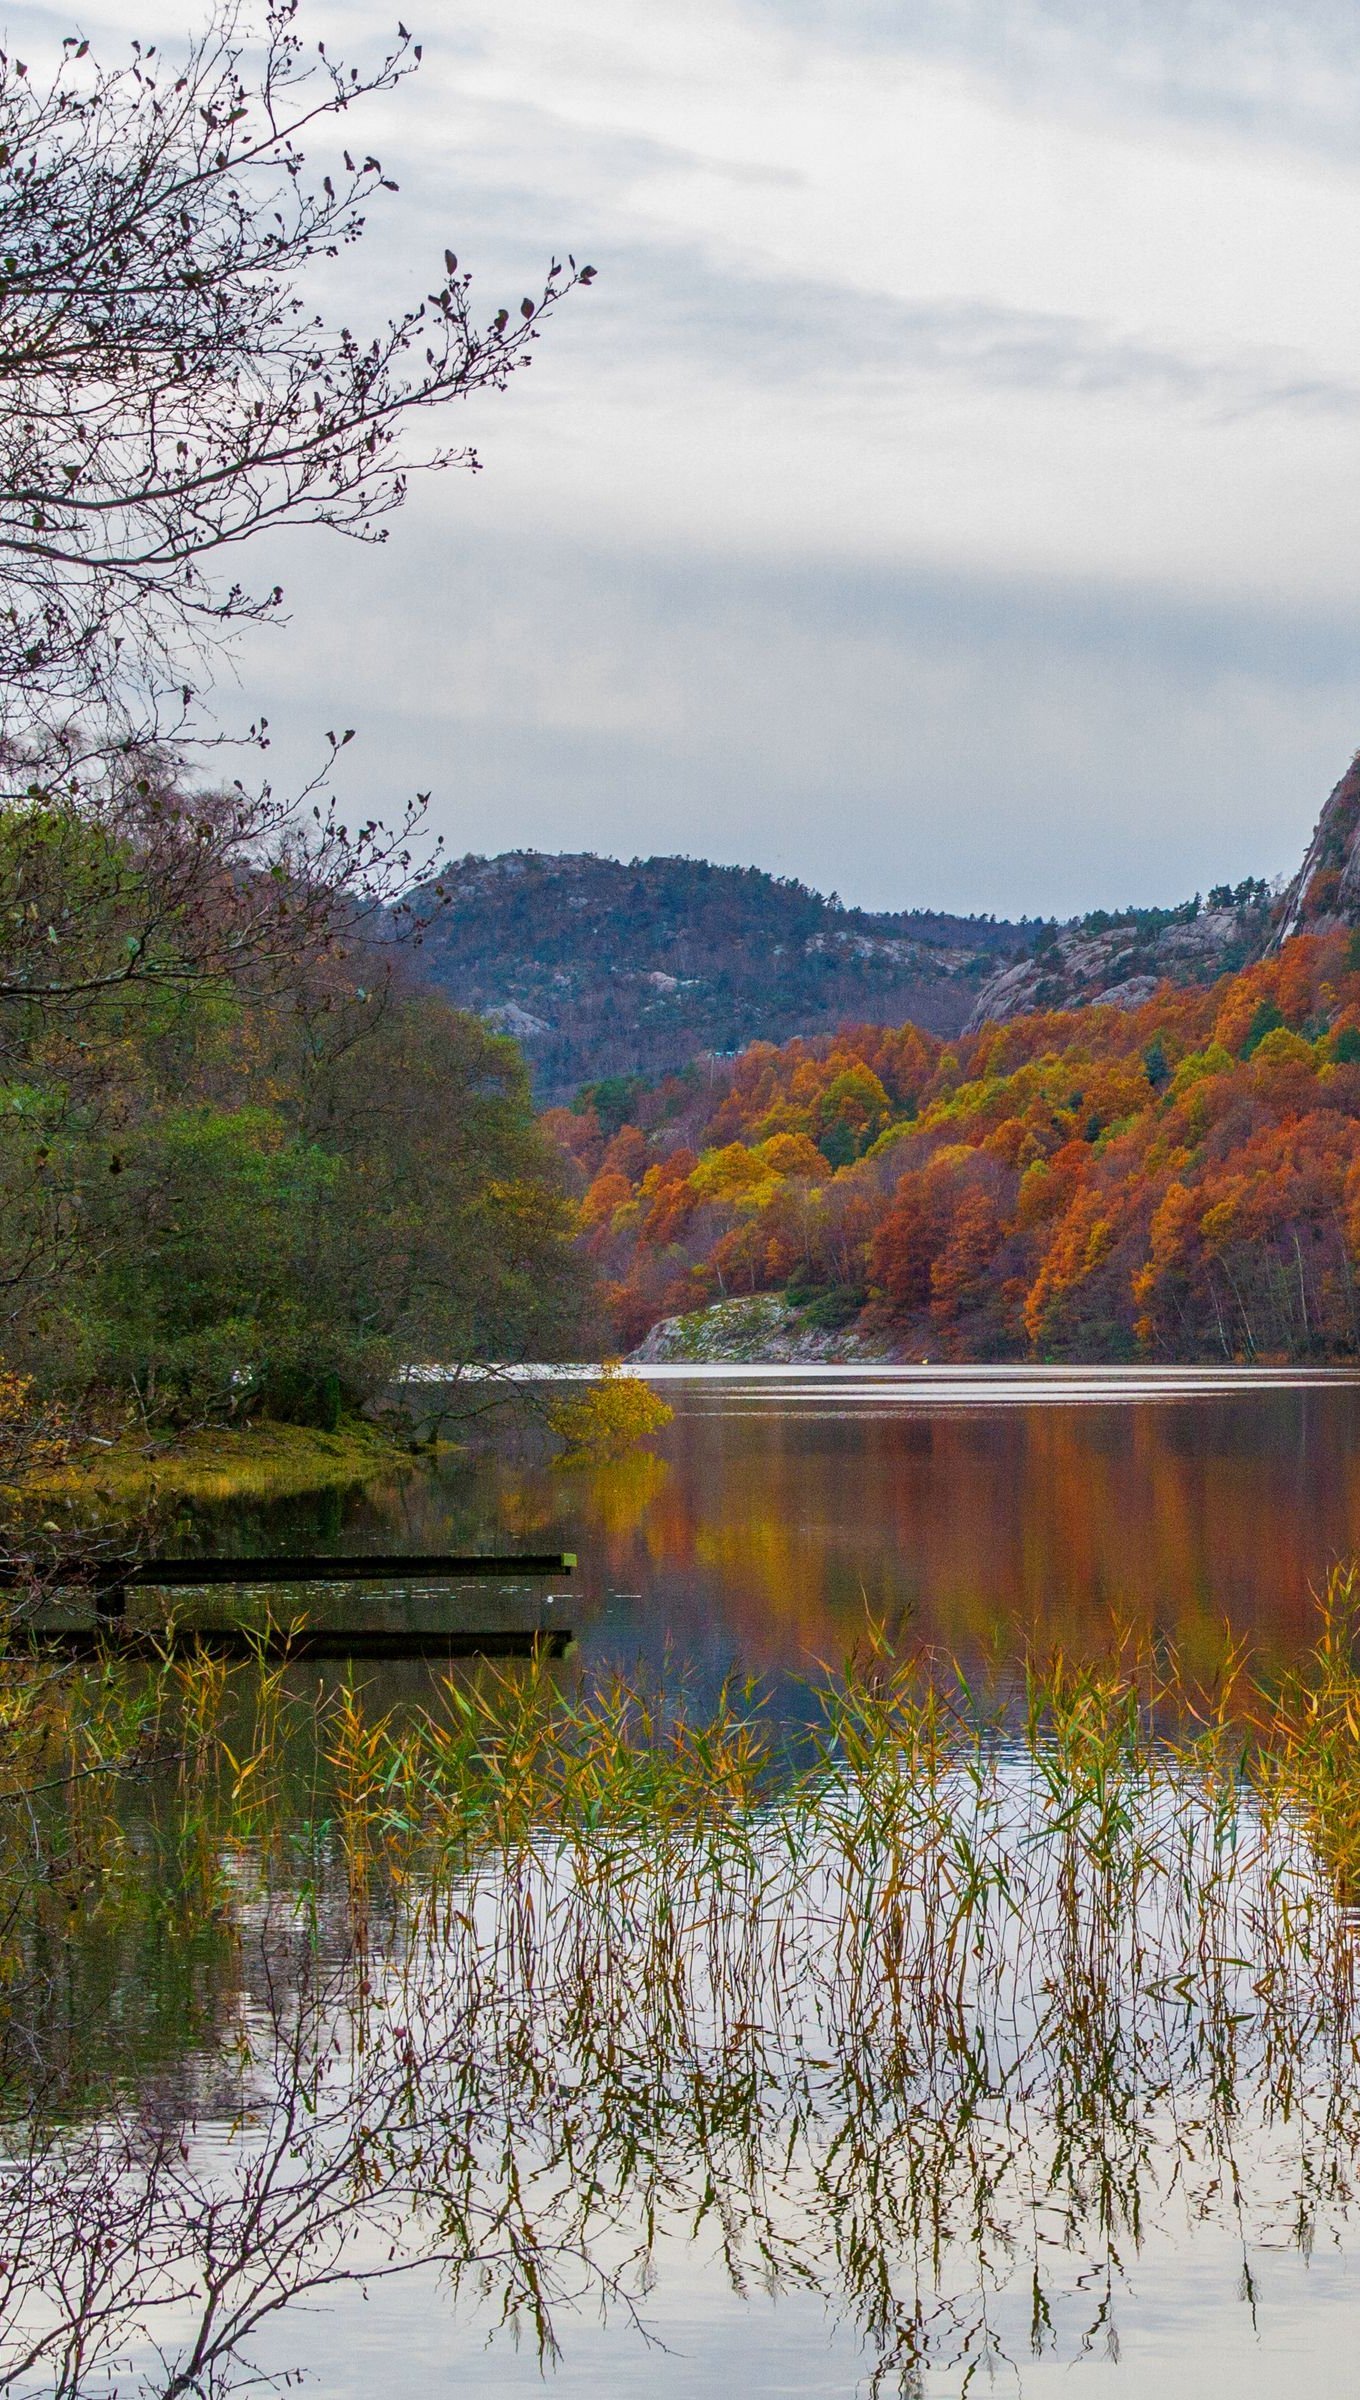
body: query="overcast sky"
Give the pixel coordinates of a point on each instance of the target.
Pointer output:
(950, 490)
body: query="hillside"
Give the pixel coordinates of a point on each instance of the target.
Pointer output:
(602, 969)
(605, 971)
(1179, 1179)
(1121, 957)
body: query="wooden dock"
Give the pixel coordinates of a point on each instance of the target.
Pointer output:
(424, 1604)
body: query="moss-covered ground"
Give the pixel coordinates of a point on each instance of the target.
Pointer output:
(260, 1461)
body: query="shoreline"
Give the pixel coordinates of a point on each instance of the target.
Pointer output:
(263, 1461)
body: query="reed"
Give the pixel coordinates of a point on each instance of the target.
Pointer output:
(937, 2004)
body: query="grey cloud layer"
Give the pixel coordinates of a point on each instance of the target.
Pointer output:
(752, 327)
(989, 668)
(1007, 745)
(1279, 73)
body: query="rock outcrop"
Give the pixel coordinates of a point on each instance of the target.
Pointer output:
(763, 1330)
(1325, 893)
(1120, 961)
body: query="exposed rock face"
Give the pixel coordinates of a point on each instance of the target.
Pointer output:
(518, 1021)
(1121, 961)
(1325, 893)
(762, 1329)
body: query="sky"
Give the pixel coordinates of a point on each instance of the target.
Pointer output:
(948, 493)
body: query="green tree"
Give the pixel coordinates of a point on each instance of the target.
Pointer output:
(459, 1231)
(219, 1287)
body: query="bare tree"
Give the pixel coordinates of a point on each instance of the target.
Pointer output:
(166, 391)
(130, 877)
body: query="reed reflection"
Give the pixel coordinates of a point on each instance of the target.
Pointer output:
(938, 2027)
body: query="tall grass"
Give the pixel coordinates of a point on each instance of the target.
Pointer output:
(938, 2007)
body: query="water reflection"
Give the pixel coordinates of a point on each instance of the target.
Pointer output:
(966, 2060)
(924, 2046)
(779, 1510)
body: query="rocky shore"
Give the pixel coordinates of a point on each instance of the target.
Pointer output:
(760, 1331)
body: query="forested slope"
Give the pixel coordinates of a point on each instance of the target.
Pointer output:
(602, 969)
(1176, 1180)
(244, 1165)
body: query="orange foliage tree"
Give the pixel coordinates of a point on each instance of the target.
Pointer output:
(1177, 1180)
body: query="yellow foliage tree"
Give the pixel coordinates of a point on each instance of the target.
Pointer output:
(608, 1418)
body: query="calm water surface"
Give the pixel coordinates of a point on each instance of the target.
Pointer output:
(774, 1517)
(782, 1509)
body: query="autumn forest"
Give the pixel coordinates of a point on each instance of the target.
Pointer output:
(1179, 1180)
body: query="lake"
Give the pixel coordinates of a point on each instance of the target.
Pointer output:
(784, 1509)
(961, 2060)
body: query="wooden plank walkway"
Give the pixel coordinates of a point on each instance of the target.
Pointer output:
(298, 1642)
(430, 1579)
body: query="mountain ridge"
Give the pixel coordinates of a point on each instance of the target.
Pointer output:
(605, 969)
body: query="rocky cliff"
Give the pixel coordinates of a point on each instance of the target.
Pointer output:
(1325, 893)
(1120, 960)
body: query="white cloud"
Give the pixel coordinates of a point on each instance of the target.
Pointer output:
(901, 736)
(949, 489)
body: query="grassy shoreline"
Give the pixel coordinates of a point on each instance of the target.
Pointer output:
(262, 1461)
